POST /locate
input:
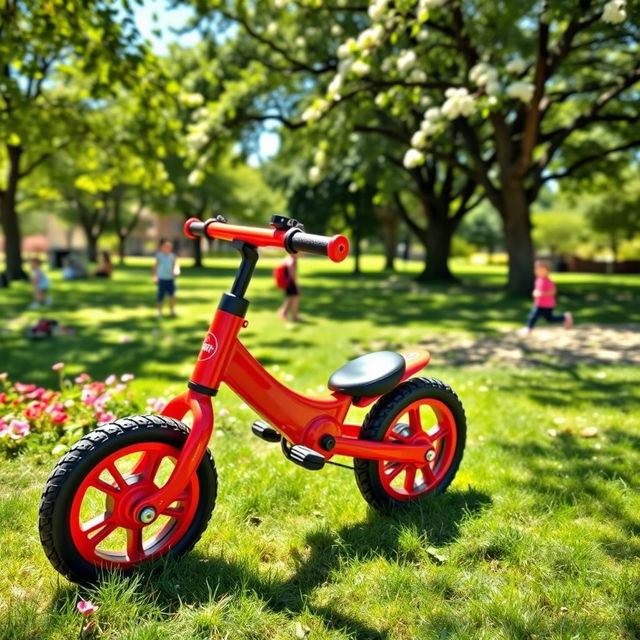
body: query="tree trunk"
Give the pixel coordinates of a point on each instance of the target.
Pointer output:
(390, 221)
(92, 245)
(122, 247)
(437, 242)
(517, 229)
(197, 253)
(9, 217)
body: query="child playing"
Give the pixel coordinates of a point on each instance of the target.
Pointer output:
(165, 269)
(40, 284)
(291, 291)
(544, 299)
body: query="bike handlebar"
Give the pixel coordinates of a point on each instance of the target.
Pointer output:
(336, 248)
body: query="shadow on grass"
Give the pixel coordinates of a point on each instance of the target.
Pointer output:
(325, 551)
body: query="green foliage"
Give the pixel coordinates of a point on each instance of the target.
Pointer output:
(559, 232)
(483, 229)
(616, 217)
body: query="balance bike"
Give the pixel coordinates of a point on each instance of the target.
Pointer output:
(144, 487)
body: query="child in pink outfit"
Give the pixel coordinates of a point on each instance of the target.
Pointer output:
(544, 299)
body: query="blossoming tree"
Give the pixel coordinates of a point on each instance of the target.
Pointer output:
(500, 97)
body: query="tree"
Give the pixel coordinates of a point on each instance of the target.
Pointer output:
(519, 94)
(616, 217)
(96, 39)
(482, 228)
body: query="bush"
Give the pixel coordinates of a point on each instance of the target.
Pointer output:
(33, 417)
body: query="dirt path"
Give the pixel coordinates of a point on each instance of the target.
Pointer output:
(585, 344)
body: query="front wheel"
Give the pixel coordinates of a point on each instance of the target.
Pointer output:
(420, 411)
(84, 528)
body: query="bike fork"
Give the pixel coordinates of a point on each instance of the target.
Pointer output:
(147, 510)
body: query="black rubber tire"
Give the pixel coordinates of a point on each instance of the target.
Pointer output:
(377, 423)
(72, 468)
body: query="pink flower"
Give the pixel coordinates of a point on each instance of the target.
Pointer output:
(24, 388)
(107, 416)
(4, 428)
(34, 410)
(58, 366)
(3, 375)
(36, 393)
(86, 607)
(110, 380)
(83, 377)
(127, 377)
(119, 388)
(59, 417)
(88, 397)
(156, 405)
(223, 413)
(3, 398)
(101, 401)
(19, 429)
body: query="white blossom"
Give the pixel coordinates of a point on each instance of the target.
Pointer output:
(432, 4)
(433, 113)
(195, 178)
(347, 48)
(413, 158)
(336, 30)
(406, 60)
(482, 74)
(493, 88)
(425, 101)
(521, 90)
(315, 174)
(419, 139)
(280, 4)
(315, 111)
(417, 75)
(387, 65)
(371, 37)
(320, 158)
(614, 11)
(272, 28)
(516, 65)
(428, 127)
(353, 187)
(334, 87)
(382, 99)
(377, 9)
(422, 35)
(300, 42)
(360, 68)
(458, 103)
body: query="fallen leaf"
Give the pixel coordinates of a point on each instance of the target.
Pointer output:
(436, 556)
(552, 433)
(588, 432)
(563, 609)
(302, 632)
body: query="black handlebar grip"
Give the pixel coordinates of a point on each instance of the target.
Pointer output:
(336, 247)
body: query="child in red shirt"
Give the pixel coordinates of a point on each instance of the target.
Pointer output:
(544, 299)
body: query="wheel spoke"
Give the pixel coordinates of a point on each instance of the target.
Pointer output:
(402, 431)
(135, 550)
(396, 470)
(410, 479)
(442, 432)
(96, 523)
(117, 476)
(173, 512)
(428, 475)
(148, 465)
(105, 487)
(106, 530)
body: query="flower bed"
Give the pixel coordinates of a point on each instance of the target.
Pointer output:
(33, 417)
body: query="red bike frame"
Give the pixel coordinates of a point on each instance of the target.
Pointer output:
(301, 419)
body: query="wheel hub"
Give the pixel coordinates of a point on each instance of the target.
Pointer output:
(147, 515)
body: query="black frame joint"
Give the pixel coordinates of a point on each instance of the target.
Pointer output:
(200, 388)
(230, 303)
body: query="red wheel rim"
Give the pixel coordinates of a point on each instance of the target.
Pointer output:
(101, 523)
(426, 422)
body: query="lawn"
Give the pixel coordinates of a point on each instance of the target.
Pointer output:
(538, 537)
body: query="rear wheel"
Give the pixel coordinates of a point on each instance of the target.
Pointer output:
(421, 411)
(84, 519)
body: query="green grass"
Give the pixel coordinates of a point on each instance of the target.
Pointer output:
(538, 537)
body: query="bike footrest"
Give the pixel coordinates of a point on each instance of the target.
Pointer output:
(306, 457)
(265, 431)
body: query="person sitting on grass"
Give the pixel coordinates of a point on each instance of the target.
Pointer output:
(105, 268)
(544, 299)
(165, 269)
(40, 284)
(291, 302)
